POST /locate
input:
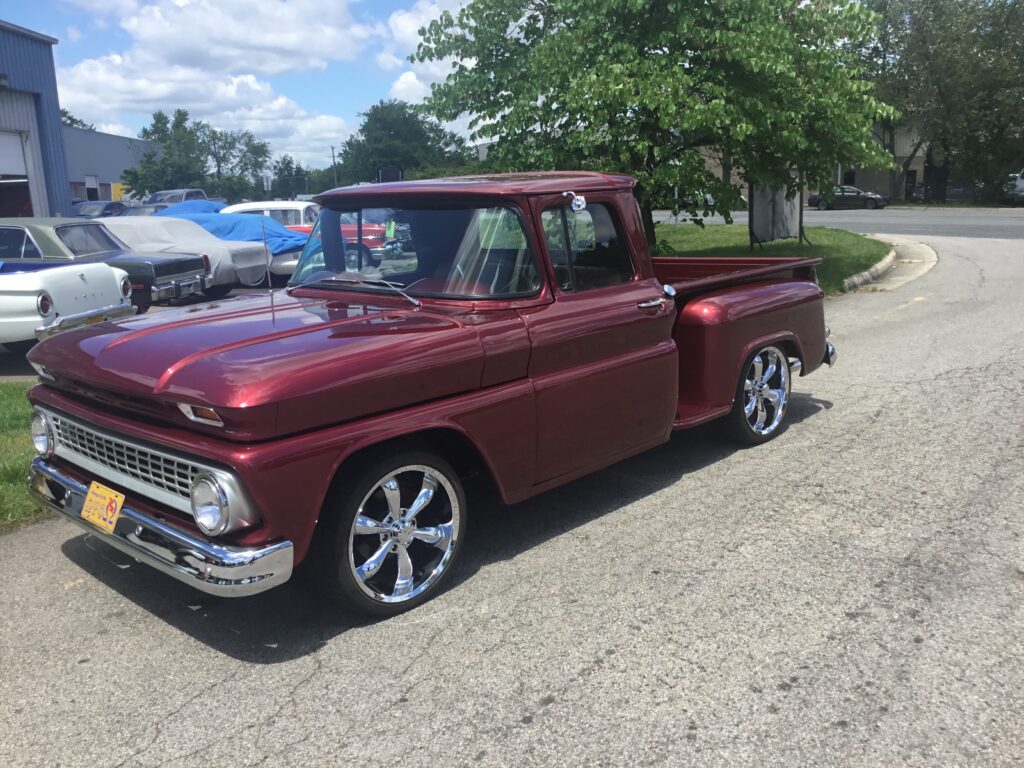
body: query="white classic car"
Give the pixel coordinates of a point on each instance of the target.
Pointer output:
(232, 262)
(38, 303)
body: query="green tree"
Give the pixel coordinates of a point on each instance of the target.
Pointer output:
(955, 71)
(289, 178)
(396, 133)
(191, 153)
(654, 88)
(68, 119)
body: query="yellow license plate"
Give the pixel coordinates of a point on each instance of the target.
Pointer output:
(102, 506)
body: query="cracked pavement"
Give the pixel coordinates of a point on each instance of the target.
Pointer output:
(849, 594)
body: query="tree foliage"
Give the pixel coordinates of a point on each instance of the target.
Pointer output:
(955, 71)
(68, 119)
(394, 133)
(192, 153)
(290, 179)
(655, 88)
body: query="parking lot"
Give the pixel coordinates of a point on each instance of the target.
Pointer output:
(849, 594)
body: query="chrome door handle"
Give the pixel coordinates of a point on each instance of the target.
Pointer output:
(657, 303)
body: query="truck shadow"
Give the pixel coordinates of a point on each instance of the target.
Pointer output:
(291, 621)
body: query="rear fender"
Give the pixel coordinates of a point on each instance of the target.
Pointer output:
(716, 332)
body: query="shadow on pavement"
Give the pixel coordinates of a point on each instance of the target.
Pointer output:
(14, 364)
(291, 621)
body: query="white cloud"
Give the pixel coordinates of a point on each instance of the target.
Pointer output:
(388, 61)
(261, 37)
(409, 87)
(118, 129)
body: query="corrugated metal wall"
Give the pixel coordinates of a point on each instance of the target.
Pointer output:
(26, 60)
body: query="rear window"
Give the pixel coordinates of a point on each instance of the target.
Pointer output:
(87, 239)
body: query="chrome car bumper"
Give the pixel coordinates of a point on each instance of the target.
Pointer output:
(200, 563)
(179, 289)
(831, 355)
(68, 322)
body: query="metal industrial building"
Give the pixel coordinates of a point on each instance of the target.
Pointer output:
(33, 169)
(97, 160)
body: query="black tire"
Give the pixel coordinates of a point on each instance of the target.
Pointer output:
(870, 203)
(215, 292)
(822, 205)
(760, 406)
(20, 347)
(368, 259)
(142, 302)
(341, 550)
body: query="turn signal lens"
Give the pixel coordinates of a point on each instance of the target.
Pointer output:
(44, 304)
(201, 414)
(42, 434)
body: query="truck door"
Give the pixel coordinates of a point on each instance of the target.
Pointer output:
(603, 362)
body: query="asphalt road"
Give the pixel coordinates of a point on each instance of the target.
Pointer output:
(851, 594)
(927, 222)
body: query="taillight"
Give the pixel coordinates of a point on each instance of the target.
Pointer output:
(206, 263)
(126, 287)
(44, 304)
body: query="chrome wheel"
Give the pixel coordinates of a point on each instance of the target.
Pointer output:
(404, 534)
(766, 391)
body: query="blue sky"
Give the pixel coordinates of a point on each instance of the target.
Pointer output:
(297, 73)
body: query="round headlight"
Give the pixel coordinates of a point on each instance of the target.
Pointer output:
(44, 304)
(42, 434)
(210, 505)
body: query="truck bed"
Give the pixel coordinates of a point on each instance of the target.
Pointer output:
(691, 275)
(727, 304)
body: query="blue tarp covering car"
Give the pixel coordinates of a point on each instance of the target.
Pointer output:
(237, 226)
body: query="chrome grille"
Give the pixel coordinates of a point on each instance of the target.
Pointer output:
(160, 471)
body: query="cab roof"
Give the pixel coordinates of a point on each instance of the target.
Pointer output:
(537, 183)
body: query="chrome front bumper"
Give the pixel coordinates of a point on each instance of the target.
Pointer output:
(100, 315)
(200, 563)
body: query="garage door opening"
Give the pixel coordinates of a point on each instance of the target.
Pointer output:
(15, 199)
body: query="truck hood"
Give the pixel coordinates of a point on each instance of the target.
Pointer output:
(270, 364)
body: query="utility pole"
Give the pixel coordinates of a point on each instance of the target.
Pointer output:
(334, 166)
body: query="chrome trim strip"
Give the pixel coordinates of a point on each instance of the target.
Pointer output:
(68, 322)
(209, 567)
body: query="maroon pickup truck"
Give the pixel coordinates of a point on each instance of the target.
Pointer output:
(523, 334)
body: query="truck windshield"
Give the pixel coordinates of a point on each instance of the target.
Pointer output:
(452, 253)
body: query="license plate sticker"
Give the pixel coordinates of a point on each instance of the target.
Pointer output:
(102, 507)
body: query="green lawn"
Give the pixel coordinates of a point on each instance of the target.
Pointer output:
(16, 506)
(844, 253)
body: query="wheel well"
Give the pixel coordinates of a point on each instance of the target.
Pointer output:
(450, 444)
(790, 348)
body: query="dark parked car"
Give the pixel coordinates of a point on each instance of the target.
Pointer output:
(95, 209)
(847, 197)
(155, 276)
(148, 209)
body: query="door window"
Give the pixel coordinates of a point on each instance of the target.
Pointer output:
(586, 248)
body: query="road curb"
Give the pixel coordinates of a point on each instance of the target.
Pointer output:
(871, 274)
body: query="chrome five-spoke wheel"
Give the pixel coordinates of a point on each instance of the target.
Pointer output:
(762, 395)
(391, 535)
(404, 533)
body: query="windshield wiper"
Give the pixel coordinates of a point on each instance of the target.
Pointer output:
(378, 281)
